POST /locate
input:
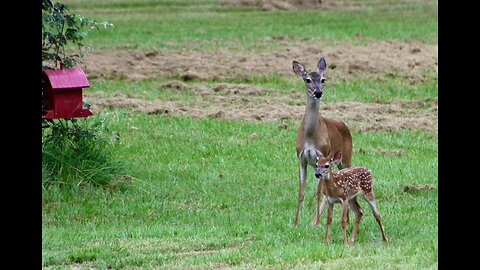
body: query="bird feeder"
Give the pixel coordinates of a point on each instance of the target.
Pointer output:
(62, 92)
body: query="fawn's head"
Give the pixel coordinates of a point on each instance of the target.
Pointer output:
(314, 80)
(324, 164)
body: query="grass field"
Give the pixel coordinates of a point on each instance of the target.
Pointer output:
(221, 192)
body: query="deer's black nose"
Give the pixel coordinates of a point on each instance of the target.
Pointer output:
(318, 94)
(317, 175)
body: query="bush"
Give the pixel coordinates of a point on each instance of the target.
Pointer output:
(61, 28)
(74, 151)
(80, 153)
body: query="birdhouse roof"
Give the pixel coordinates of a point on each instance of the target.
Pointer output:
(66, 78)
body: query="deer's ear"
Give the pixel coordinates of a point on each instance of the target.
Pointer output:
(337, 157)
(318, 153)
(322, 65)
(299, 69)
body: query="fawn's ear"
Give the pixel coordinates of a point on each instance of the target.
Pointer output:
(337, 157)
(322, 65)
(299, 69)
(318, 153)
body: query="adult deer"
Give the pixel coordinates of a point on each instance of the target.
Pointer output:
(318, 133)
(344, 186)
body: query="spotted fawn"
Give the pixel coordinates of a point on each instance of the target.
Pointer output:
(343, 187)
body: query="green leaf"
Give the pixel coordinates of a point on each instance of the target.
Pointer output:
(60, 28)
(68, 62)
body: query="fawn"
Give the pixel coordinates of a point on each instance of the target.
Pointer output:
(344, 186)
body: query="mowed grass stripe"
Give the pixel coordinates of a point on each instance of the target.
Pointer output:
(154, 28)
(355, 89)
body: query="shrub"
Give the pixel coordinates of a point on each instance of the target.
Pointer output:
(61, 29)
(74, 151)
(80, 153)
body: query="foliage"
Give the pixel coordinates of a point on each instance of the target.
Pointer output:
(77, 152)
(73, 151)
(61, 28)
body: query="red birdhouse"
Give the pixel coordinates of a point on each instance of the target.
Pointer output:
(62, 92)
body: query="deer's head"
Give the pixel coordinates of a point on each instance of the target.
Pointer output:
(314, 80)
(324, 164)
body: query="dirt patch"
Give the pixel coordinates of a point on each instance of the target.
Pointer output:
(174, 85)
(394, 152)
(277, 4)
(411, 60)
(394, 115)
(202, 251)
(239, 101)
(212, 266)
(418, 187)
(268, 5)
(81, 266)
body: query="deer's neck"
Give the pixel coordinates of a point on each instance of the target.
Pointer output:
(311, 118)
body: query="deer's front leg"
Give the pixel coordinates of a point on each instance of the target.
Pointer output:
(329, 221)
(344, 220)
(302, 173)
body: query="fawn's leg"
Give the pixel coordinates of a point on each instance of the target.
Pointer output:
(358, 216)
(345, 164)
(329, 221)
(348, 216)
(370, 198)
(344, 220)
(320, 207)
(302, 173)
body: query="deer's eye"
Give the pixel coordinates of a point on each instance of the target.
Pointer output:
(326, 166)
(322, 80)
(308, 80)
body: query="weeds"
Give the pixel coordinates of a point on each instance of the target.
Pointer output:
(79, 152)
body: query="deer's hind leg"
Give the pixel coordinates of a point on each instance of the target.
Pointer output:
(370, 198)
(358, 216)
(344, 220)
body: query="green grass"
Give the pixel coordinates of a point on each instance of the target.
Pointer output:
(207, 191)
(80, 154)
(355, 89)
(168, 24)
